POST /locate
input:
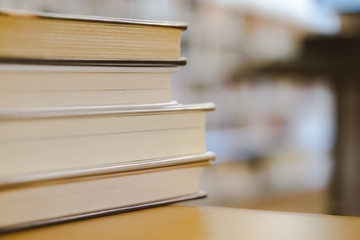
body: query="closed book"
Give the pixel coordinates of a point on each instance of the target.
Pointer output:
(40, 199)
(35, 36)
(47, 86)
(58, 139)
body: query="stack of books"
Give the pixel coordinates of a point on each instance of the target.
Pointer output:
(88, 126)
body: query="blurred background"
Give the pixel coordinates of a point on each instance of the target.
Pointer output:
(283, 77)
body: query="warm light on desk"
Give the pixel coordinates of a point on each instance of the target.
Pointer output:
(188, 222)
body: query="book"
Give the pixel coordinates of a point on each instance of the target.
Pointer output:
(54, 197)
(55, 139)
(34, 36)
(47, 86)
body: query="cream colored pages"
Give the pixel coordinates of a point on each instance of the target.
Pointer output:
(26, 35)
(63, 143)
(76, 197)
(51, 86)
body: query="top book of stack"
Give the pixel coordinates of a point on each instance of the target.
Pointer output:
(81, 40)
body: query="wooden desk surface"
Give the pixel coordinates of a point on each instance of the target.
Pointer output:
(189, 222)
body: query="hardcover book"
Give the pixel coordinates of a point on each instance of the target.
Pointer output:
(44, 86)
(59, 139)
(41, 199)
(36, 36)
